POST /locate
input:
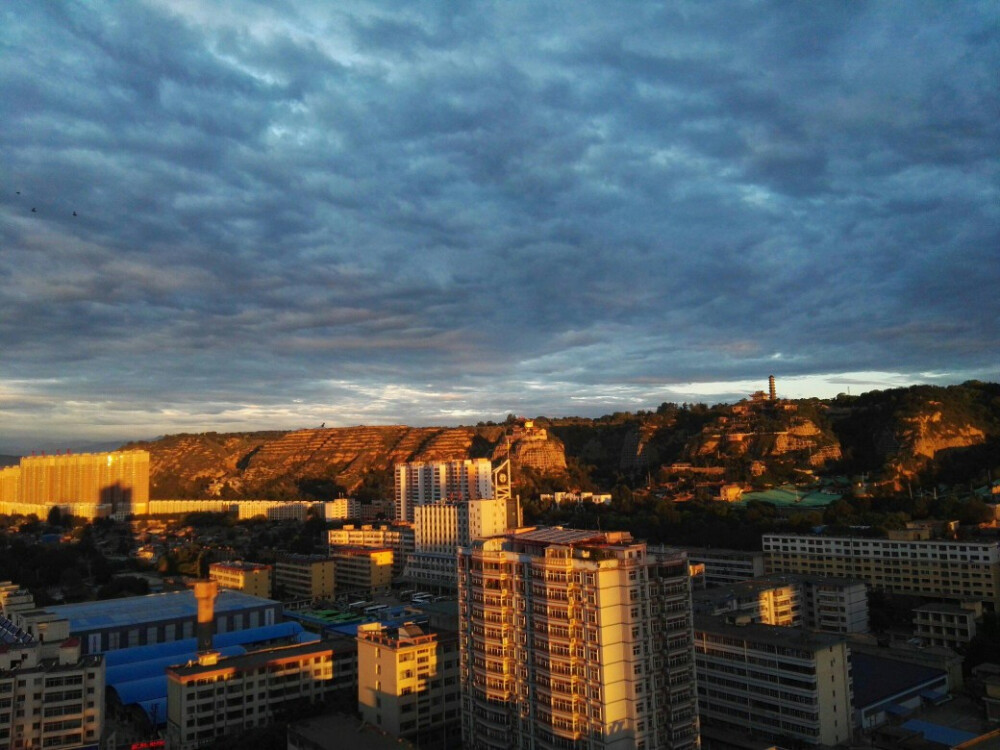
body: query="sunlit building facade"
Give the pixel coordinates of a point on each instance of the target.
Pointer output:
(420, 483)
(250, 578)
(934, 569)
(408, 681)
(87, 485)
(221, 696)
(575, 638)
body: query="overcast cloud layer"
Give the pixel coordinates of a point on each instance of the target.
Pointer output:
(290, 213)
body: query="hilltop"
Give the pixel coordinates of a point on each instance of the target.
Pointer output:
(899, 437)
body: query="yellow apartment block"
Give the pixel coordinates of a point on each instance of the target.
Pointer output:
(408, 681)
(363, 569)
(250, 578)
(305, 576)
(88, 485)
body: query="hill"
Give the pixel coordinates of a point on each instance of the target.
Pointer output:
(922, 434)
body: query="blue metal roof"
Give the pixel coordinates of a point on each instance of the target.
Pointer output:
(138, 670)
(256, 635)
(878, 679)
(144, 653)
(940, 734)
(138, 674)
(133, 611)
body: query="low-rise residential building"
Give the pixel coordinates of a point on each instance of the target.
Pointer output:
(835, 605)
(341, 508)
(765, 601)
(13, 598)
(51, 696)
(399, 537)
(250, 578)
(363, 569)
(310, 577)
(935, 569)
(726, 566)
(948, 625)
(772, 683)
(221, 696)
(408, 681)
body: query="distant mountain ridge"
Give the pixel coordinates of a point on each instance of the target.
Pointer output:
(900, 435)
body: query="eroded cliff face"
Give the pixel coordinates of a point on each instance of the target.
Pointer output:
(926, 435)
(916, 441)
(329, 459)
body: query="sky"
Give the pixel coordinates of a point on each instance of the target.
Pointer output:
(273, 215)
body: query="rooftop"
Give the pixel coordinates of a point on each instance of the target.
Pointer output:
(256, 659)
(559, 535)
(137, 610)
(809, 640)
(878, 679)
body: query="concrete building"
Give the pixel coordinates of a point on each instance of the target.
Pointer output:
(772, 684)
(14, 599)
(765, 601)
(566, 498)
(86, 485)
(310, 577)
(364, 570)
(835, 605)
(419, 483)
(341, 508)
(144, 620)
(949, 625)
(273, 510)
(221, 696)
(441, 527)
(726, 566)
(399, 537)
(408, 682)
(936, 569)
(51, 696)
(573, 638)
(250, 578)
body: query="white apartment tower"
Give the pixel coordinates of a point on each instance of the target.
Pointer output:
(423, 482)
(577, 639)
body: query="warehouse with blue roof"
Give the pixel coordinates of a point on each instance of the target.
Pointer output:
(114, 624)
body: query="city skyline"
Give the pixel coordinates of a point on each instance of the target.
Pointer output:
(273, 219)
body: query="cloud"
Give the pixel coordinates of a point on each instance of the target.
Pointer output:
(458, 210)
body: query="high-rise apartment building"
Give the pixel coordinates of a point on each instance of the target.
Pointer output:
(441, 526)
(575, 638)
(950, 570)
(421, 482)
(87, 485)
